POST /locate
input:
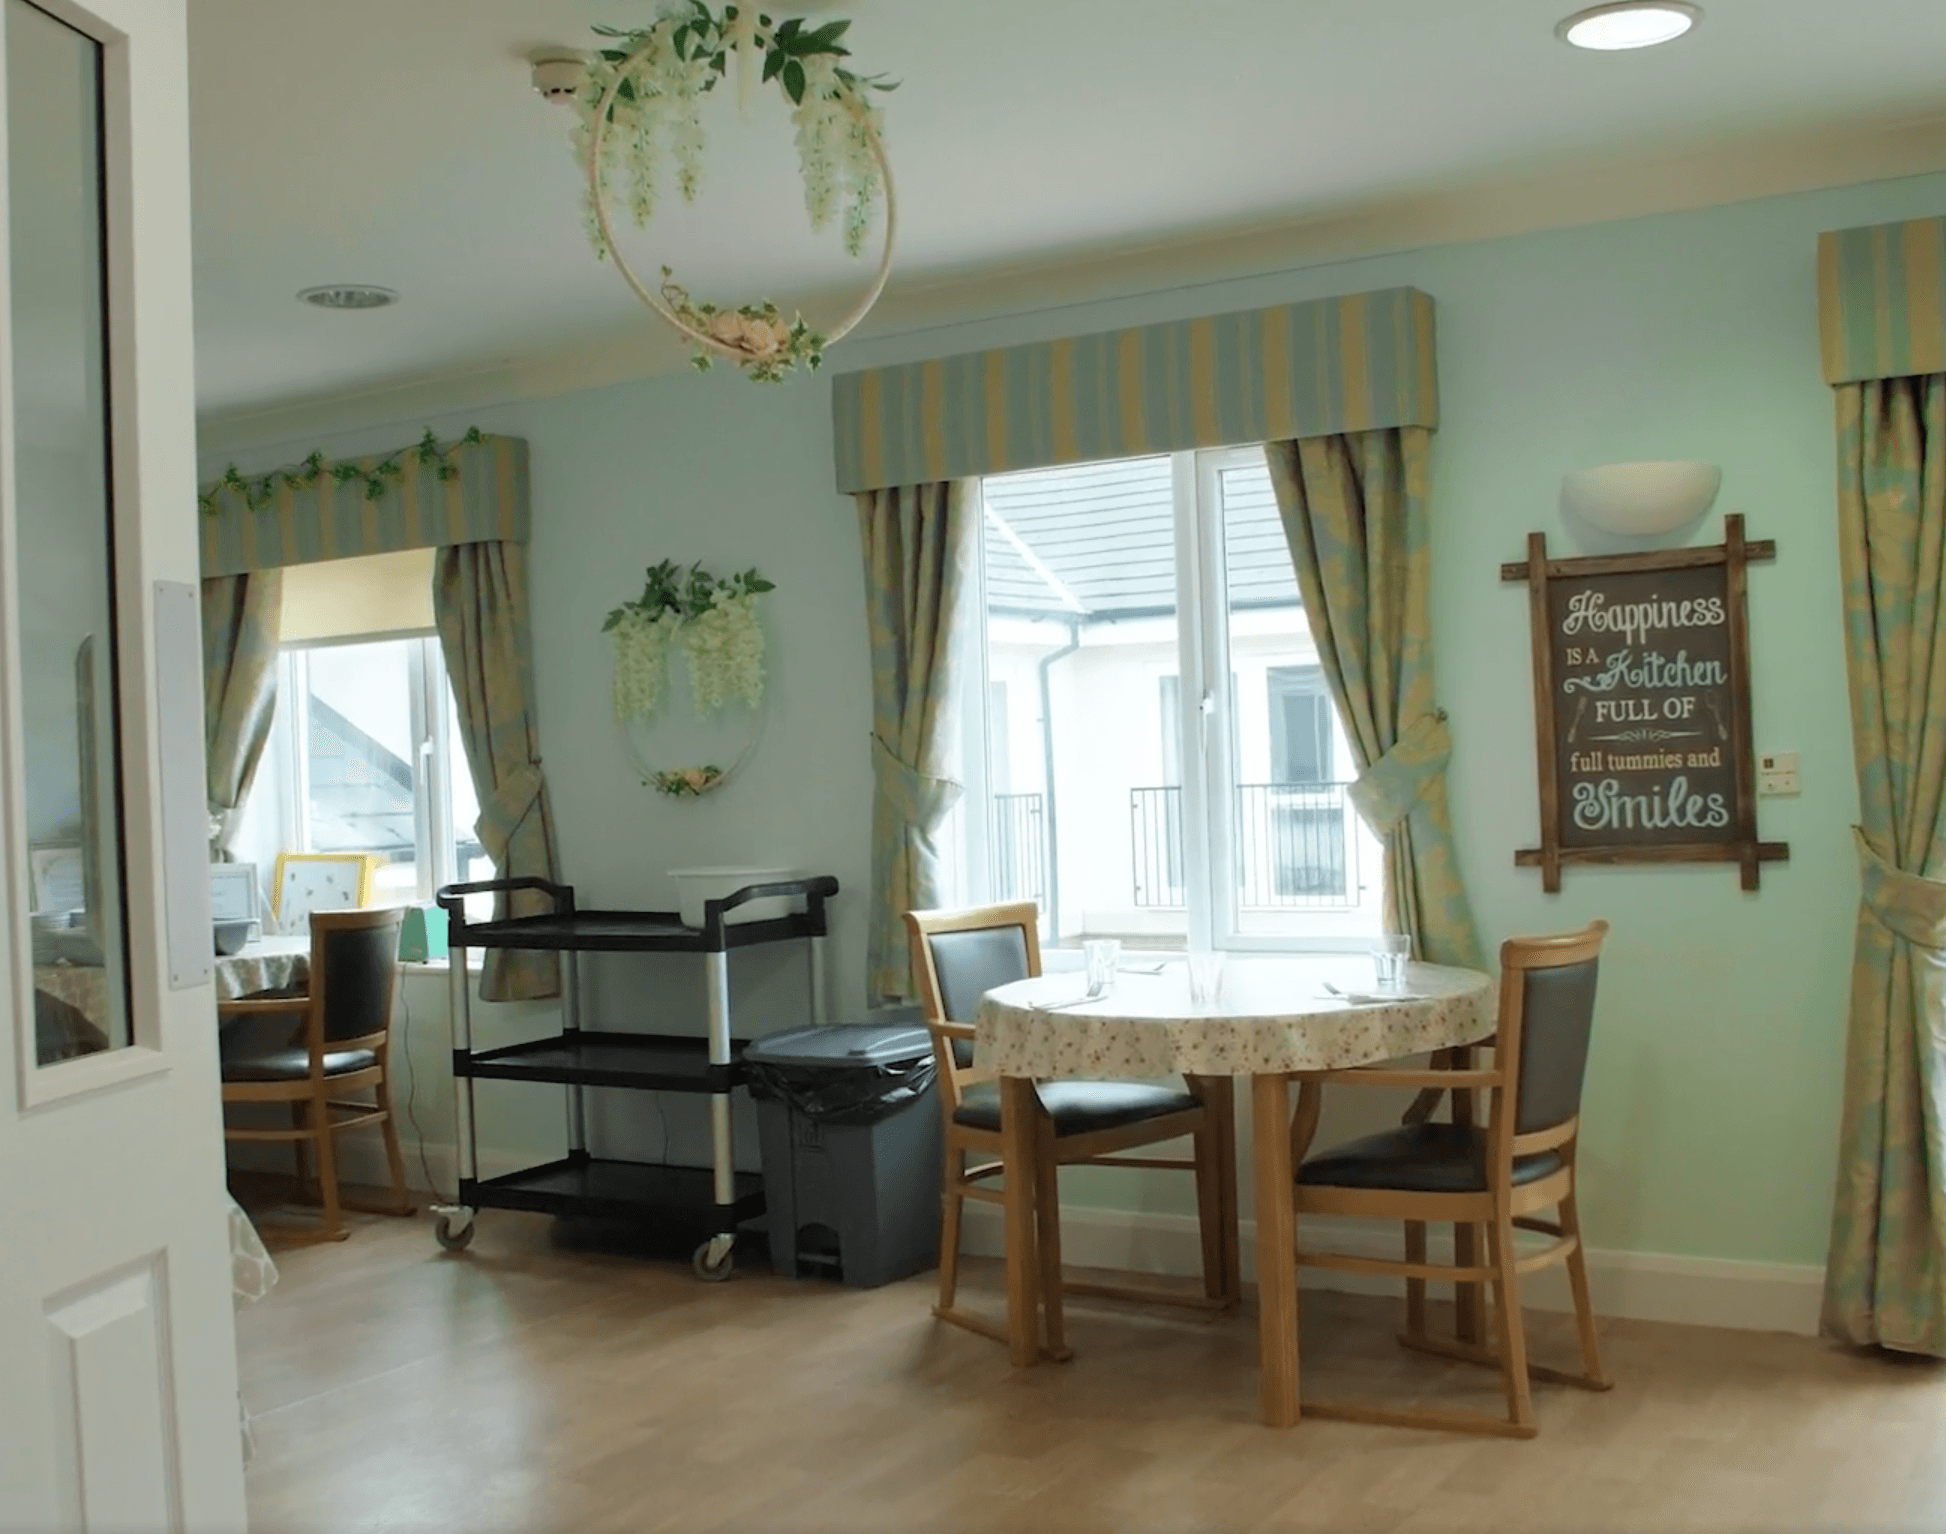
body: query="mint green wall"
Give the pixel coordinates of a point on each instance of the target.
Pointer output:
(1713, 1098)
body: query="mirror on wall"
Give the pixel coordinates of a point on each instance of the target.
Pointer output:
(63, 533)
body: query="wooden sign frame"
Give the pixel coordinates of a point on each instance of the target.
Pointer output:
(1742, 846)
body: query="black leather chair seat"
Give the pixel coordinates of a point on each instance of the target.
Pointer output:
(1419, 1158)
(293, 1064)
(1079, 1107)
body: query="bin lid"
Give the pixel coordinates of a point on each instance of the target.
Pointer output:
(842, 1045)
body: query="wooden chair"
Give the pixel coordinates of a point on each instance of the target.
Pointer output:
(310, 1048)
(957, 956)
(1492, 1179)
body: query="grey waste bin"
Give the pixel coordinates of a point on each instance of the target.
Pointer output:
(850, 1133)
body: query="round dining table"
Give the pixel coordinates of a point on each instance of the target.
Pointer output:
(1275, 1018)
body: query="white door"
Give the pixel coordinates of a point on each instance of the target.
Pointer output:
(118, 1406)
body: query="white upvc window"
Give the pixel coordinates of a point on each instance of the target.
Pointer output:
(1150, 747)
(371, 761)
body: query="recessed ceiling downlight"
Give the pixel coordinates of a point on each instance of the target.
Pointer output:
(1630, 24)
(349, 295)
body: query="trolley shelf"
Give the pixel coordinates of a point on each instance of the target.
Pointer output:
(584, 1186)
(661, 1062)
(567, 930)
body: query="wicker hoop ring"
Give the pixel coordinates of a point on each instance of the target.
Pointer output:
(652, 776)
(598, 136)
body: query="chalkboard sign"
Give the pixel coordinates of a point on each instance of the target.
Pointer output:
(1642, 707)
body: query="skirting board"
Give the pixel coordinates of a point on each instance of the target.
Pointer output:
(1640, 1286)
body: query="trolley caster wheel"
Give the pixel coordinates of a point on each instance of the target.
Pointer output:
(713, 1261)
(454, 1234)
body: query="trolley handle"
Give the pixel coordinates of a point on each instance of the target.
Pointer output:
(451, 898)
(814, 890)
(818, 888)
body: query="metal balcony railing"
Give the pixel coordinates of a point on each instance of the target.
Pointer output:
(1294, 846)
(1017, 848)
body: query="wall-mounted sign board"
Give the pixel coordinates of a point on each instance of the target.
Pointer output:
(1642, 707)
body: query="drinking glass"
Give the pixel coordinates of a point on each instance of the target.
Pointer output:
(1389, 954)
(1205, 979)
(1101, 954)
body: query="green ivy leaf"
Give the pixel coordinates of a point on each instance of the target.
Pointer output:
(794, 81)
(821, 40)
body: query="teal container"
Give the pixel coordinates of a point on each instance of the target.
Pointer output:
(423, 937)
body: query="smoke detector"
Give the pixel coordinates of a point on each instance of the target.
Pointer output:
(558, 76)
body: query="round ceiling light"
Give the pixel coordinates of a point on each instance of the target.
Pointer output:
(349, 295)
(1630, 24)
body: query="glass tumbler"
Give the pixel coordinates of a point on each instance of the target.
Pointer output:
(1389, 955)
(1101, 954)
(1205, 979)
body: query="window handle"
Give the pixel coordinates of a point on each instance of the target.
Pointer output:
(1205, 710)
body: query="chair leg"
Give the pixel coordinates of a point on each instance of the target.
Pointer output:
(394, 1157)
(1469, 1300)
(1584, 1309)
(300, 1118)
(334, 1220)
(1047, 1236)
(1209, 1212)
(951, 1202)
(1415, 1288)
(1513, 1329)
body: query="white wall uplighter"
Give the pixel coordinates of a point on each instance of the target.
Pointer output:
(1640, 500)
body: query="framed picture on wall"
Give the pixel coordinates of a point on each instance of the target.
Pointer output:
(319, 881)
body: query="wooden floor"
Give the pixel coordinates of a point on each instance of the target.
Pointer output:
(525, 1386)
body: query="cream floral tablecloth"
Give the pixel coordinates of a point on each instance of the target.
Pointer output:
(1274, 1014)
(270, 963)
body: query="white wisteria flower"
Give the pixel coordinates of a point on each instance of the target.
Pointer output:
(641, 660)
(724, 646)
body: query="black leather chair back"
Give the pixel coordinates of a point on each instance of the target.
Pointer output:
(971, 963)
(359, 967)
(1557, 1018)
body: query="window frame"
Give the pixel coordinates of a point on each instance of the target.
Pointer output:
(435, 855)
(1206, 728)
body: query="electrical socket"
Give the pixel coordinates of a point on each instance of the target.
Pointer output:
(1777, 774)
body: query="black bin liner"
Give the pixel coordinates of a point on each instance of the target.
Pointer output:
(843, 1074)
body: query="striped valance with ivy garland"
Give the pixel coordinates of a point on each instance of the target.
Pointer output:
(473, 490)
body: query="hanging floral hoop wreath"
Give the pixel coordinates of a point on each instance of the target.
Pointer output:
(715, 625)
(754, 336)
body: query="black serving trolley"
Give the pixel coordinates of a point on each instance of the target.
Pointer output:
(580, 1183)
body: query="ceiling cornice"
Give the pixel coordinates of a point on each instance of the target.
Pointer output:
(1634, 185)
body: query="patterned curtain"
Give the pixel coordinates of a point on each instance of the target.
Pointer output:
(479, 599)
(918, 544)
(241, 614)
(1354, 510)
(1885, 1282)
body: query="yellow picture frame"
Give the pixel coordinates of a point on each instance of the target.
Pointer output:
(303, 882)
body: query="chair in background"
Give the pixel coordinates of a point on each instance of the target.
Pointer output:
(310, 1048)
(957, 956)
(1495, 1178)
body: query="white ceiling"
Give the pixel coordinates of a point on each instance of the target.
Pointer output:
(397, 142)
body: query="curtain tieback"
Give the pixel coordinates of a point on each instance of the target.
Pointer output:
(920, 800)
(1387, 790)
(1908, 904)
(506, 807)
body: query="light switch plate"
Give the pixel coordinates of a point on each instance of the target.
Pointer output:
(1777, 774)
